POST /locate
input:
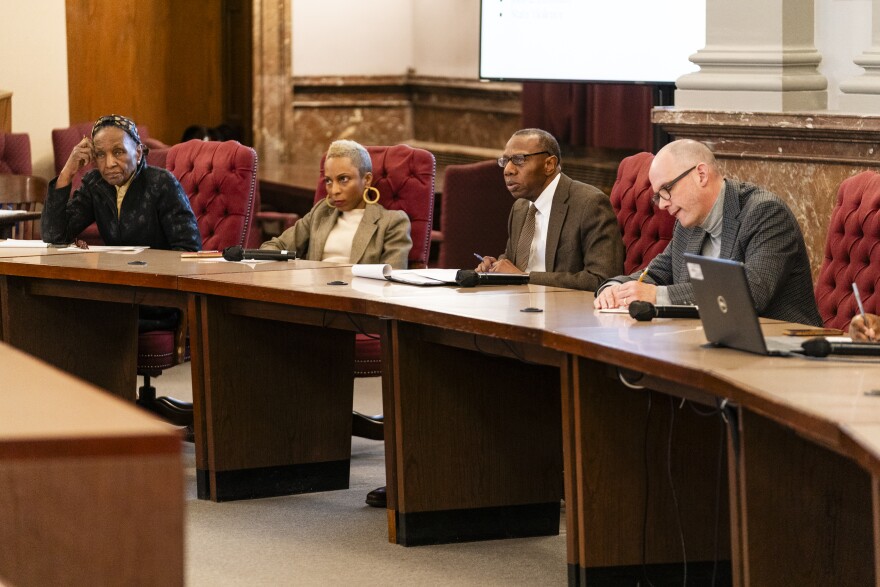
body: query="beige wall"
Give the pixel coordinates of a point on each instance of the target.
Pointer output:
(446, 38)
(33, 66)
(386, 37)
(351, 37)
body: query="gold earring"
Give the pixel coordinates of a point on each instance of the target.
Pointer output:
(327, 201)
(368, 200)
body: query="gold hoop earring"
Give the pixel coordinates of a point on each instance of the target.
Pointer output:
(327, 201)
(368, 190)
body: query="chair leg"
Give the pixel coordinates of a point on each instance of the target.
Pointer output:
(371, 427)
(177, 412)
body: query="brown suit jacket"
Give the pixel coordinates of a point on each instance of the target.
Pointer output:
(584, 247)
(381, 237)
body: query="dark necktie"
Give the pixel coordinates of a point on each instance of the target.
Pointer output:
(524, 245)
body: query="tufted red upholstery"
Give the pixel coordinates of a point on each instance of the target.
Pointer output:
(646, 229)
(404, 177)
(473, 219)
(852, 252)
(15, 154)
(220, 180)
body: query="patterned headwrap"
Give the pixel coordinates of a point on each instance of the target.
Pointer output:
(122, 122)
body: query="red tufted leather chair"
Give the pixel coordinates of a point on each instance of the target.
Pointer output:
(646, 230)
(15, 154)
(220, 179)
(852, 252)
(473, 218)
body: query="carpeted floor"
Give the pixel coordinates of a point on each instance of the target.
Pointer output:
(333, 538)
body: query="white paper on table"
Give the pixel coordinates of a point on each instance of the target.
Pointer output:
(12, 212)
(424, 277)
(15, 243)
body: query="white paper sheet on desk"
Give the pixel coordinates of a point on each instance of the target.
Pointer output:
(15, 243)
(624, 310)
(408, 276)
(12, 212)
(124, 250)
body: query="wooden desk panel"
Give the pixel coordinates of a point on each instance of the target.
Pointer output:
(74, 310)
(272, 399)
(799, 512)
(513, 443)
(75, 467)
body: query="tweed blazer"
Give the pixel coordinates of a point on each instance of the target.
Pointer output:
(381, 237)
(583, 245)
(760, 231)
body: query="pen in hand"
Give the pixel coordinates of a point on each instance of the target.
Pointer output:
(861, 306)
(479, 257)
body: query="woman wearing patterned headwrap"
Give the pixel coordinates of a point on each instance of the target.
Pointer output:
(132, 203)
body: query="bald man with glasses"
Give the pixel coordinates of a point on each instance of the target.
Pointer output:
(561, 232)
(722, 218)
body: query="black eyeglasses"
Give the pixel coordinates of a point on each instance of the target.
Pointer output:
(518, 160)
(666, 188)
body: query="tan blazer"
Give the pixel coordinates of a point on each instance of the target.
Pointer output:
(382, 236)
(584, 247)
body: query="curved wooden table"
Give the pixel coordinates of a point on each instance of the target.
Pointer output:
(478, 397)
(472, 406)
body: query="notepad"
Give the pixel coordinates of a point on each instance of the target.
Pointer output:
(422, 277)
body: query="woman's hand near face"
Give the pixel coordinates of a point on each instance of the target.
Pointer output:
(83, 154)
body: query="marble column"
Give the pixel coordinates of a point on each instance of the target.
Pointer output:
(759, 56)
(862, 93)
(272, 80)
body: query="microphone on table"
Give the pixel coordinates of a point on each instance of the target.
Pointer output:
(237, 253)
(646, 311)
(821, 347)
(470, 278)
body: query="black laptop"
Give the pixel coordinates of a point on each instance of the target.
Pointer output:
(727, 309)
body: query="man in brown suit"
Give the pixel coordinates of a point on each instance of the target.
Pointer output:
(561, 232)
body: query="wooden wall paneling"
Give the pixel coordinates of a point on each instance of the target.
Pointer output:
(157, 62)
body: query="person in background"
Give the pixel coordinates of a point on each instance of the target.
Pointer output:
(561, 232)
(722, 218)
(132, 203)
(349, 225)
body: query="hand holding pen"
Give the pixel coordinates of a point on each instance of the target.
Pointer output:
(486, 263)
(864, 326)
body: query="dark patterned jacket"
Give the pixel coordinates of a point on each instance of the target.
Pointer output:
(155, 212)
(760, 231)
